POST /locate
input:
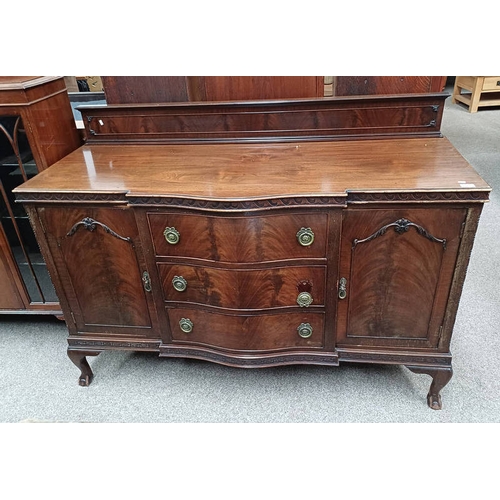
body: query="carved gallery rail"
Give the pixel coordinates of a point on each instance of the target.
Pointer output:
(261, 254)
(416, 115)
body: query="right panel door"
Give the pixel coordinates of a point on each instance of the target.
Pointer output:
(396, 271)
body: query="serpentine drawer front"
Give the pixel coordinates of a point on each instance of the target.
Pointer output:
(247, 333)
(239, 239)
(243, 288)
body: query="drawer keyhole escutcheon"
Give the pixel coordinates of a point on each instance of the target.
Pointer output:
(342, 288)
(186, 325)
(305, 236)
(304, 299)
(172, 235)
(179, 283)
(305, 330)
(146, 281)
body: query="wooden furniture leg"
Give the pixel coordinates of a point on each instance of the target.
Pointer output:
(476, 94)
(456, 91)
(440, 377)
(79, 359)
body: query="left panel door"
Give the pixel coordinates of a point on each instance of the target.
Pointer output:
(99, 260)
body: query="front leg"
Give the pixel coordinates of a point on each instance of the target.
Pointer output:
(440, 377)
(79, 359)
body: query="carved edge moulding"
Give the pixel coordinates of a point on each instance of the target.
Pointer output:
(479, 196)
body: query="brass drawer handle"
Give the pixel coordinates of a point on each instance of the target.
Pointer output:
(305, 236)
(342, 288)
(186, 325)
(179, 283)
(304, 299)
(305, 330)
(172, 235)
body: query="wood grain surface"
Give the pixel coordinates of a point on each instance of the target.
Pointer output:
(244, 288)
(239, 239)
(370, 85)
(242, 172)
(247, 333)
(397, 284)
(102, 269)
(266, 120)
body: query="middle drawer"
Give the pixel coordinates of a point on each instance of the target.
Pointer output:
(274, 287)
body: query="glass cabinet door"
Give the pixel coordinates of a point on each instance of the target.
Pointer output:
(17, 165)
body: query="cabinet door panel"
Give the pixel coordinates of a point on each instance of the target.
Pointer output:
(399, 266)
(100, 268)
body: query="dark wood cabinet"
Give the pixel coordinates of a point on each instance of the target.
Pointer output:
(372, 85)
(37, 129)
(262, 252)
(161, 89)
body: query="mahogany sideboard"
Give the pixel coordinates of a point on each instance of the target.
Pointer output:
(257, 234)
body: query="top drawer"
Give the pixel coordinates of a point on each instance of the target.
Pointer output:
(239, 239)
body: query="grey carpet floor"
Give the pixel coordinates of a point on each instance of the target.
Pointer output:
(39, 383)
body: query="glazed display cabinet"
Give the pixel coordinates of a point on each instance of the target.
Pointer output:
(36, 130)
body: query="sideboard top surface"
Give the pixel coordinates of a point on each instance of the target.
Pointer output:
(246, 171)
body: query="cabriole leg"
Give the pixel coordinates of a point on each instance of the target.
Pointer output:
(80, 360)
(440, 377)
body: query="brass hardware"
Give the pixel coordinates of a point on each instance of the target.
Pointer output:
(146, 281)
(179, 283)
(305, 236)
(400, 226)
(305, 330)
(304, 299)
(90, 225)
(186, 325)
(172, 235)
(342, 288)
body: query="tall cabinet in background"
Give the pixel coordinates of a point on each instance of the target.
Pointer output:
(37, 128)
(162, 89)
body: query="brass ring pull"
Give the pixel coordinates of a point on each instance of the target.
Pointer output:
(186, 325)
(172, 235)
(305, 330)
(179, 283)
(304, 299)
(342, 288)
(305, 236)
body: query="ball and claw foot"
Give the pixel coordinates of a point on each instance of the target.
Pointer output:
(440, 377)
(80, 360)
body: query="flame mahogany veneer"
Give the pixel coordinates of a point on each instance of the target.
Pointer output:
(244, 234)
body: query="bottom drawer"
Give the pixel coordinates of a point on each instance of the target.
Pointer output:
(247, 333)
